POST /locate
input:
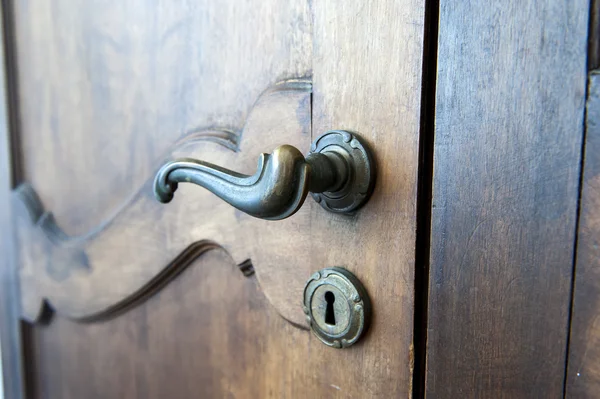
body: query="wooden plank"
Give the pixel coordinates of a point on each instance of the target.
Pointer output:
(594, 39)
(209, 334)
(215, 334)
(107, 88)
(583, 375)
(10, 336)
(509, 118)
(367, 72)
(10, 329)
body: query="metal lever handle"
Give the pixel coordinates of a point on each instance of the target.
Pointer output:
(339, 172)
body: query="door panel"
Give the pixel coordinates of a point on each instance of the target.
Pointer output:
(584, 350)
(109, 91)
(366, 76)
(108, 87)
(508, 133)
(583, 374)
(145, 243)
(210, 333)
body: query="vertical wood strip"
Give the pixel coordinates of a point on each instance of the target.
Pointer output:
(583, 376)
(509, 118)
(367, 72)
(594, 40)
(10, 334)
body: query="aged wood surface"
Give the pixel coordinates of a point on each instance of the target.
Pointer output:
(108, 89)
(583, 375)
(509, 125)
(209, 334)
(594, 36)
(147, 241)
(143, 79)
(367, 77)
(10, 334)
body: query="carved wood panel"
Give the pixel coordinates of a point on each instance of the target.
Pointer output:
(110, 91)
(145, 243)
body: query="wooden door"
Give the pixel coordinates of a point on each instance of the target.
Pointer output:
(126, 297)
(509, 124)
(477, 247)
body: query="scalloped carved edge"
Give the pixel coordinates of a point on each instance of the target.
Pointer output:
(223, 136)
(44, 222)
(174, 269)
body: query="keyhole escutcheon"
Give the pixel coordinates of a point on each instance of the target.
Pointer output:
(330, 312)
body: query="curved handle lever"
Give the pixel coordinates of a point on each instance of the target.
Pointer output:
(339, 172)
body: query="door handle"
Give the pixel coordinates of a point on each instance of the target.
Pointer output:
(339, 172)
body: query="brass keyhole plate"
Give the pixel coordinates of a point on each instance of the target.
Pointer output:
(339, 291)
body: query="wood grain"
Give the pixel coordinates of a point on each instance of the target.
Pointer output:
(210, 333)
(107, 87)
(125, 257)
(367, 77)
(78, 276)
(583, 375)
(594, 36)
(509, 117)
(11, 381)
(140, 77)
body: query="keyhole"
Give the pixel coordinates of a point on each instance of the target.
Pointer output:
(329, 312)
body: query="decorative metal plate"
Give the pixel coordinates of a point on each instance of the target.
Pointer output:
(359, 185)
(337, 307)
